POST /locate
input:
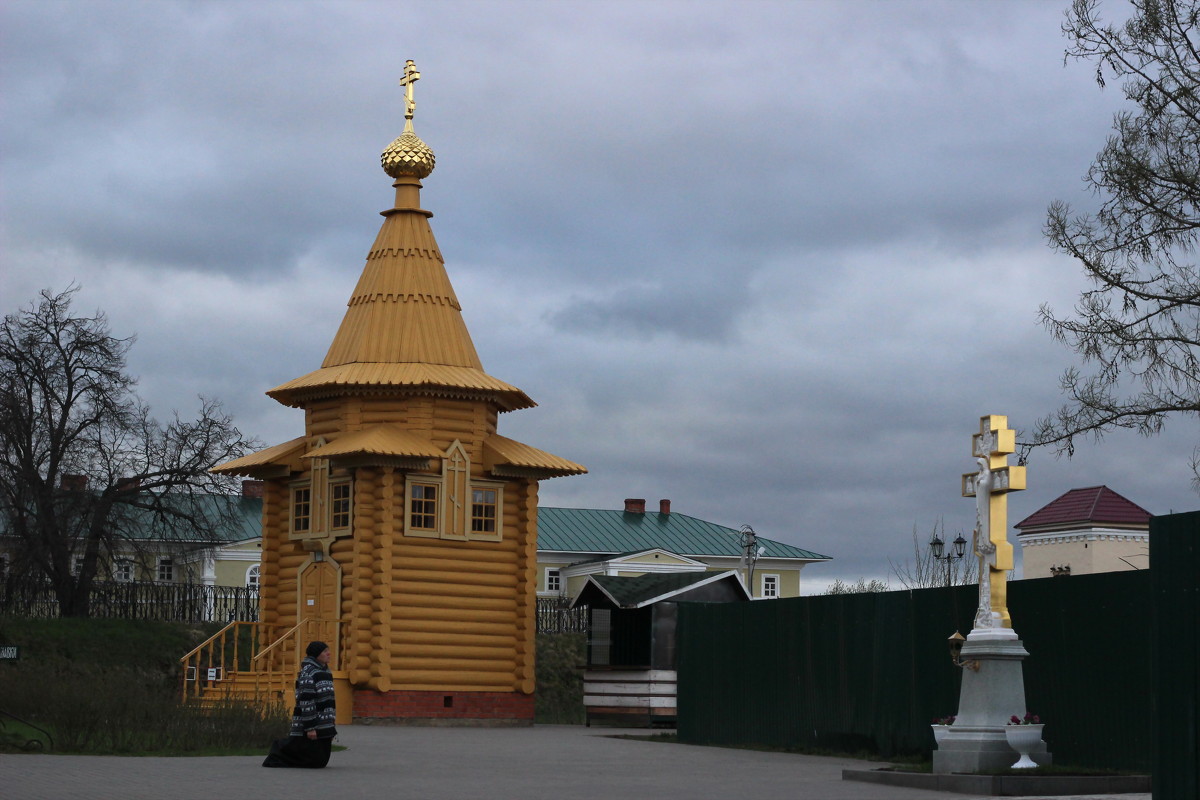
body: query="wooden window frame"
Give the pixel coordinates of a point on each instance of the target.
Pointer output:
(428, 482)
(774, 578)
(497, 534)
(168, 563)
(295, 502)
(340, 507)
(556, 574)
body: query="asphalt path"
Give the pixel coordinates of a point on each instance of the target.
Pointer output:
(545, 762)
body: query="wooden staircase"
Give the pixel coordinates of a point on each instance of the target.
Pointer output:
(253, 663)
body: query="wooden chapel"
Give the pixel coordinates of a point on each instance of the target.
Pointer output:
(401, 528)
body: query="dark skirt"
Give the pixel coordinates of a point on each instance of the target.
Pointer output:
(299, 751)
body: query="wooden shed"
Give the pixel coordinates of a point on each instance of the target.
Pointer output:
(631, 675)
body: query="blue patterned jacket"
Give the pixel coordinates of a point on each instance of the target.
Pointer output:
(314, 701)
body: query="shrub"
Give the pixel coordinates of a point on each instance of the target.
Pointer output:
(559, 698)
(112, 687)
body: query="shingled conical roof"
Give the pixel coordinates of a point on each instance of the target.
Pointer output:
(403, 331)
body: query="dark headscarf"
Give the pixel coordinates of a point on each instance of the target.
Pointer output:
(315, 649)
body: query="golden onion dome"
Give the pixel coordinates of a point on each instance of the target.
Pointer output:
(408, 156)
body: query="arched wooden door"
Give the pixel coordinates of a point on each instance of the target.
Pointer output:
(320, 591)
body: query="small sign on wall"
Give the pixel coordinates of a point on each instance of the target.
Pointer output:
(10, 652)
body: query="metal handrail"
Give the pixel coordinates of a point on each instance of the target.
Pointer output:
(29, 724)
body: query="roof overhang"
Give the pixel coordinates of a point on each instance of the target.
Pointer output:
(359, 378)
(508, 458)
(713, 578)
(378, 445)
(274, 462)
(631, 562)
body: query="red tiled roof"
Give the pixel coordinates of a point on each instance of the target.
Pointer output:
(1078, 508)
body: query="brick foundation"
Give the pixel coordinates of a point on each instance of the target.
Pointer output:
(442, 708)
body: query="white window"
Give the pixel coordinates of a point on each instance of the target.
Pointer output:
(553, 580)
(77, 565)
(252, 577)
(770, 586)
(123, 570)
(166, 569)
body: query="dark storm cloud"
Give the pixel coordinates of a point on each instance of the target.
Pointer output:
(771, 260)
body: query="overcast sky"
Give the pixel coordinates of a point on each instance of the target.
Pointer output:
(770, 260)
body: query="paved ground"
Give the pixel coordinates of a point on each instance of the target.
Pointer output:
(547, 762)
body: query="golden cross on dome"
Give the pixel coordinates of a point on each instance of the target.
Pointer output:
(411, 76)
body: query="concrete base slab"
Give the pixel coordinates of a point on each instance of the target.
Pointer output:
(1005, 785)
(980, 749)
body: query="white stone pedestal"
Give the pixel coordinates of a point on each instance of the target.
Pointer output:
(988, 699)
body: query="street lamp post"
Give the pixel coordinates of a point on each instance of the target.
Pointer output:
(938, 548)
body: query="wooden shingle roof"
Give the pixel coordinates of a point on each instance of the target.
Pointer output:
(403, 331)
(1093, 506)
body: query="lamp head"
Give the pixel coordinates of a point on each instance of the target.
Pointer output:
(956, 645)
(937, 546)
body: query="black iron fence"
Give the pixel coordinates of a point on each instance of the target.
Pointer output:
(555, 615)
(177, 602)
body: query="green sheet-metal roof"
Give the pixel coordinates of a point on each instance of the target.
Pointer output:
(585, 530)
(234, 518)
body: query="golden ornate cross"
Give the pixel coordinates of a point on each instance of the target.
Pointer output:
(990, 486)
(411, 76)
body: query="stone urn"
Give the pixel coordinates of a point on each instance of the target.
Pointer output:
(1024, 739)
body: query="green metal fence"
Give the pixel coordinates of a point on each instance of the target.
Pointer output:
(1175, 571)
(871, 671)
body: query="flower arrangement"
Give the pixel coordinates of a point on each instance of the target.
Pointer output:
(944, 720)
(1029, 719)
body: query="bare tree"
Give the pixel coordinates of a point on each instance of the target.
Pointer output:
(861, 586)
(83, 465)
(924, 570)
(1139, 323)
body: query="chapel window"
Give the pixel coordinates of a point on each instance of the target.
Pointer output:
(423, 506)
(339, 506)
(483, 511)
(301, 509)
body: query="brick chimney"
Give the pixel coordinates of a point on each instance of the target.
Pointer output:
(664, 506)
(128, 484)
(635, 506)
(73, 483)
(253, 489)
